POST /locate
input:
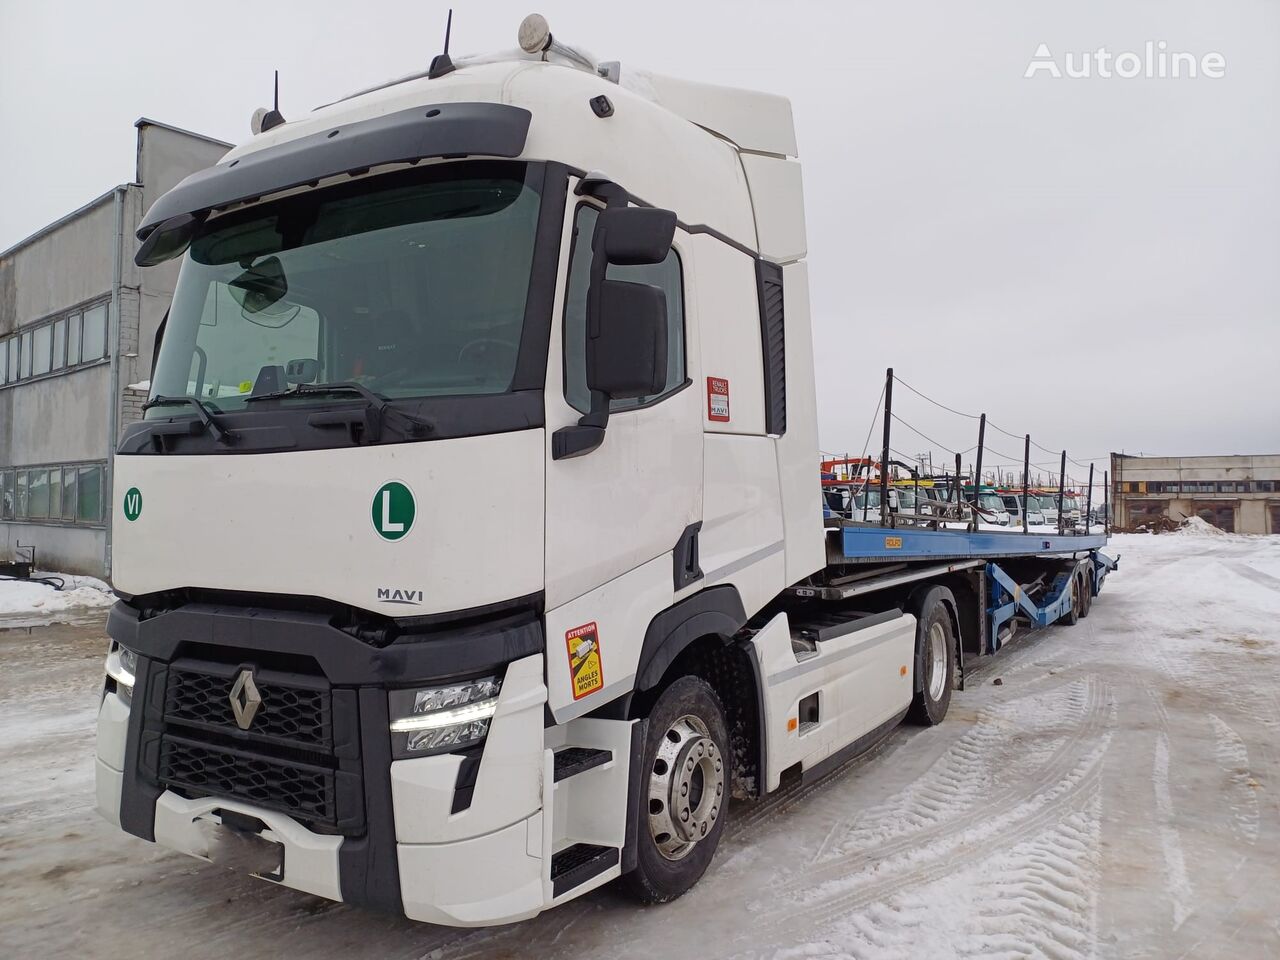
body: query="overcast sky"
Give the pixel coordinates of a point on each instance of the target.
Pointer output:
(1096, 261)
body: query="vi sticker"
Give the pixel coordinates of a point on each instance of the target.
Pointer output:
(132, 504)
(585, 672)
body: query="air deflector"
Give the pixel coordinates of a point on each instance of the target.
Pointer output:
(425, 132)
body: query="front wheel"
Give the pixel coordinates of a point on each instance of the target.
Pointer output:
(935, 661)
(685, 781)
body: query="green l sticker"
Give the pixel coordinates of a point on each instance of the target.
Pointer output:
(393, 510)
(132, 504)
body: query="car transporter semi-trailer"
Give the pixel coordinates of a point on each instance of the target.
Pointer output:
(470, 552)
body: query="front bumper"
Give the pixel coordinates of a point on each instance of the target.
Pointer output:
(455, 839)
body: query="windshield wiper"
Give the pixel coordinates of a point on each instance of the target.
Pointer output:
(205, 416)
(378, 405)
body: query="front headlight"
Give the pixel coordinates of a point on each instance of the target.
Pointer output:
(438, 719)
(122, 667)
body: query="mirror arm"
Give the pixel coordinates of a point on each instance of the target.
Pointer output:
(585, 435)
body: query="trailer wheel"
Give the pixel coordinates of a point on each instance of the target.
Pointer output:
(1086, 593)
(935, 662)
(685, 788)
(1072, 616)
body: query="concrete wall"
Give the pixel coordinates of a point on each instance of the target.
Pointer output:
(65, 548)
(64, 418)
(62, 268)
(1252, 509)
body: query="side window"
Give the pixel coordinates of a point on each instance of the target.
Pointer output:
(666, 276)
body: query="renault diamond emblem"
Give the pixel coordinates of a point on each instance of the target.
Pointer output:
(245, 699)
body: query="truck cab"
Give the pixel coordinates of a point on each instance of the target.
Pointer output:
(397, 595)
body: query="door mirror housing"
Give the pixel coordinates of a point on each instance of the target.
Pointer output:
(636, 235)
(627, 355)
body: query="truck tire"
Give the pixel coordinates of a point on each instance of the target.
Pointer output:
(935, 661)
(1072, 616)
(684, 791)
(1086, 593)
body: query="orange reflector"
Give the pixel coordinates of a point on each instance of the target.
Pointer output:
(792, 724)
(902, 670)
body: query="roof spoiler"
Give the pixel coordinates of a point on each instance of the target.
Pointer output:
(407, 136)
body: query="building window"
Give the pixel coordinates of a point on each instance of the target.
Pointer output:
(93, 340)
(6, 495)
(41, 346)
(89, 495)
(69, 492)
(73, 339)
(57, 344)
(61, 493)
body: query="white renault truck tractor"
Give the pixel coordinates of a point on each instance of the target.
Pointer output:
(470, 552)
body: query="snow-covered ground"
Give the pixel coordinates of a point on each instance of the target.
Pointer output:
(1115, 795)
(31, 598)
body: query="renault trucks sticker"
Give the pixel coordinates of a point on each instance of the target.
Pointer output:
(718, 399)
(584, 660)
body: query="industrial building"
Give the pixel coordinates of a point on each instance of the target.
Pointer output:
(1238, 494)
(77, 323)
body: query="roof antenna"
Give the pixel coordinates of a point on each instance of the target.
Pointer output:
(264, 119)
(441, 64)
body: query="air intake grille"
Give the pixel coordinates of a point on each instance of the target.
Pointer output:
(289, 713)
(773, 343)
(298, 789)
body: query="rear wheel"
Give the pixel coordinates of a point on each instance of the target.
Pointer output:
(1086, 593)
(685, 783)
(935, 662)
(1072, 616)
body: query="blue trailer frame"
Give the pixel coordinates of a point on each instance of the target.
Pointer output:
(1006, 597)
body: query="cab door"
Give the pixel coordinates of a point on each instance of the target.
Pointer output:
(615, 514)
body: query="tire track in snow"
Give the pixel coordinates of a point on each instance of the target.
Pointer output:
(1233, 756)
(991, 752)
(1086, 722)
(1041, 898)
(826, 904)
(1179, 884)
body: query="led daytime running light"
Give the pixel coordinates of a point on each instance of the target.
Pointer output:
(116, 670)
(471, 712)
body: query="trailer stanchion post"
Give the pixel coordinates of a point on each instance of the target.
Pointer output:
(1106, 502)
(1088, 501)
(884, 456)
(1026, 479)
(977, 470)
(1062, 486)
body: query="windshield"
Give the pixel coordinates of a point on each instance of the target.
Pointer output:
(868, 498)
(1069, 503)
(989, 501)
(412, 285)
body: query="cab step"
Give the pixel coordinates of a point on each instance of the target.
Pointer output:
(575, 865)
(571, 761)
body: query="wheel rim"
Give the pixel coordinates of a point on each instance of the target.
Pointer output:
(686, 788)
(937, 661)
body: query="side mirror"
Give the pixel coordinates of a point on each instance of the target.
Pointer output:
(628, 355)
(636, 235)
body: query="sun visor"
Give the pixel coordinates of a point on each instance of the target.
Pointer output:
(428, 131)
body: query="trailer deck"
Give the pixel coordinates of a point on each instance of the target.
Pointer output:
(860, 543)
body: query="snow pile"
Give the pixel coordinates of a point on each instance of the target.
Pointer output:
(23, 597)
(1197, 527)
(142, 386)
